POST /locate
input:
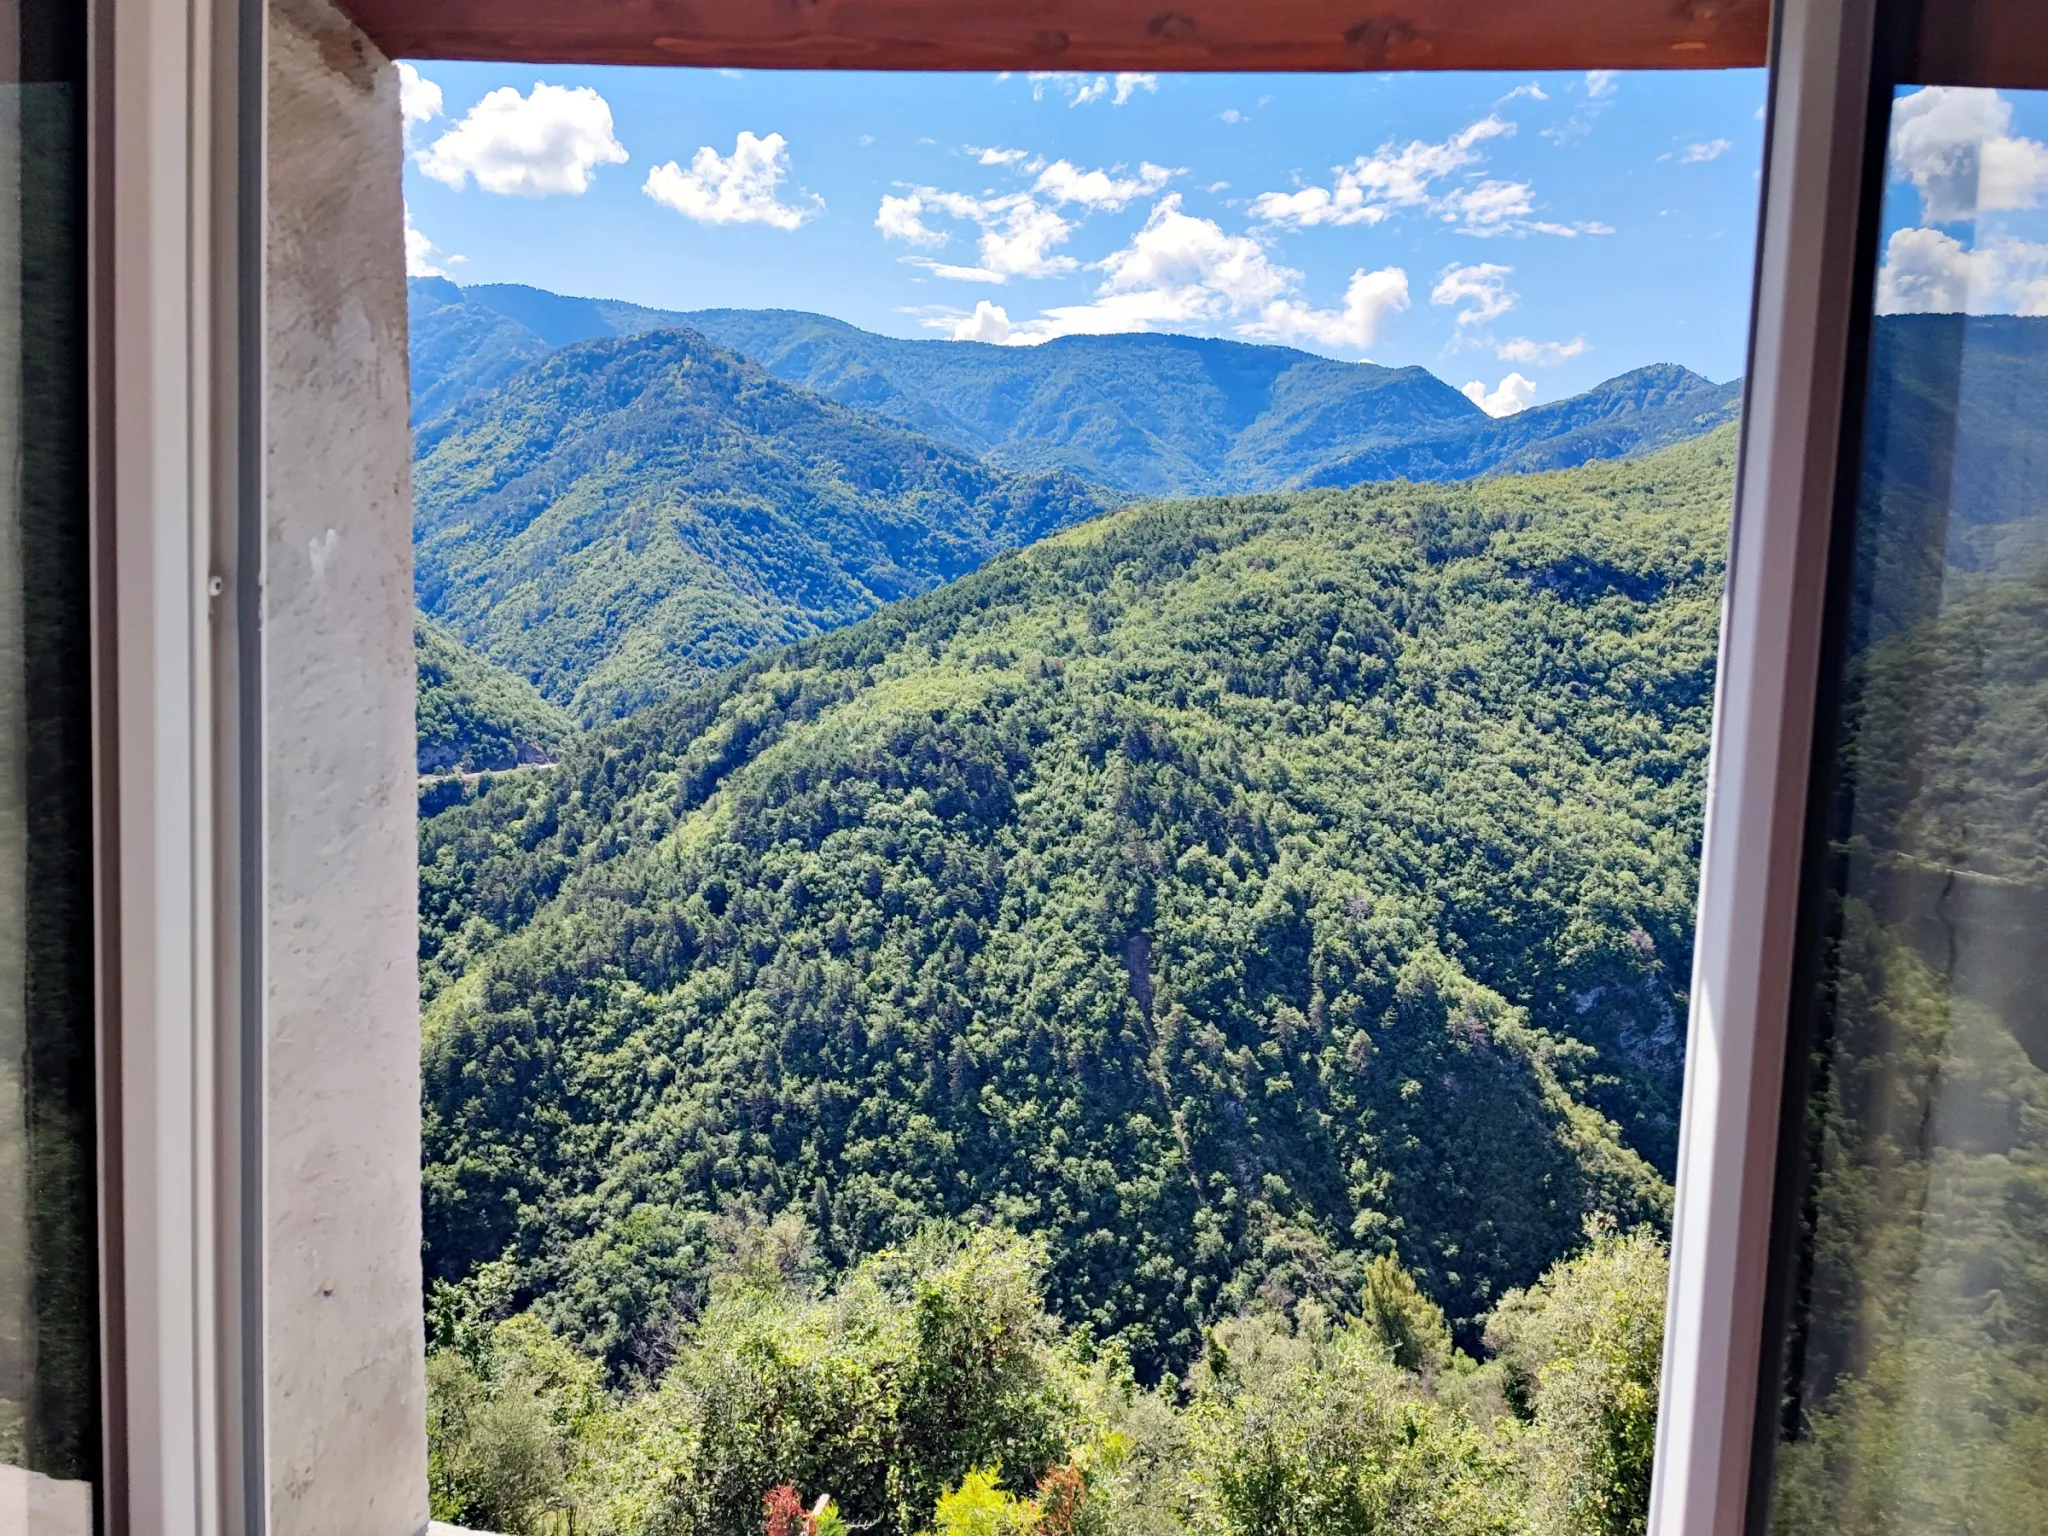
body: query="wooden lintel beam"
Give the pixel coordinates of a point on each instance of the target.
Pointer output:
(1149, 35)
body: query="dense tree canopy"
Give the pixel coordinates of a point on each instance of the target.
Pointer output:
(1224, 893)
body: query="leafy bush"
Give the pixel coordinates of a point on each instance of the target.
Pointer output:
(1580, 1352)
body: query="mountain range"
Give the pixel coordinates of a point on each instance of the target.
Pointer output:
(613, 502)
(1152, 415)
(621, 518)
(1223, 891)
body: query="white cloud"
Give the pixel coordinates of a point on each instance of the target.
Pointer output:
(1177, 250)
(1081, 89)
(1000, 156)
(1951, 143)
(420, 252)
(1232, 116)
(1373, 186)
(527, 146)
(1178, 270)
(1712, 149)
(1369, 299)
(989, 322)
(730, 189)
(1017, 234)
(1481, 288)
(1064, 183)
(1601, 82)
(1019, 231)
(1494, 208)
(1926, 271)
(1532, 90)
(900, 218)
(1546, 354)
(1515, 394)
(419, 99)
(1020, 245)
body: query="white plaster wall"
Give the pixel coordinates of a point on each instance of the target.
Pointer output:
(346, 1384)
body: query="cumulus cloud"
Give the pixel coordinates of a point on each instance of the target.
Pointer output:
(1000, 156)
(1952, 143)
(1369, 298)
(1064, 183)
(1546, 354)
(1927, 271)
(1373, 187)
(1080, 89)
(1232, 116)
(1532, 90)
(1481, 288)
(1515, 394)
(527, 146)
(419, 99)
(989, 322)
(421, 253)
(902, 218)
(1019, 242)
(1019, 231)
(739, 188)
(1711, 149)
(1178, 270)
(1176, 250)
(1601, 82)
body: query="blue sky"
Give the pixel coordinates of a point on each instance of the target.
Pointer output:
(1558, 229)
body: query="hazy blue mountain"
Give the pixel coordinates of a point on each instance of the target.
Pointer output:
(624, 516)
(1149, 414)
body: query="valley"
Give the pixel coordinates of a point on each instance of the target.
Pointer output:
(961, 990)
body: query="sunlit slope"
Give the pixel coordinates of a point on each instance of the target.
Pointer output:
(474, 716)
(1147, 414)
(625, 516)
(1226, 890)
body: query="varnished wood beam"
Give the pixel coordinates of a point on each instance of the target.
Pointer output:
(1080, 34)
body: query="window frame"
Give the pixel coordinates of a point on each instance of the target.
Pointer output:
(179, 203)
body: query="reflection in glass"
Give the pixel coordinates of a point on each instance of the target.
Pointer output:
(49, 1370)
(1916, 1373)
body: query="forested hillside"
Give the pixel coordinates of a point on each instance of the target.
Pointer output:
(1225, 893)
(621, 518)
(1148, 414)
(474, 716)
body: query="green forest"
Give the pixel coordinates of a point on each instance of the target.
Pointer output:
(1177, 1030)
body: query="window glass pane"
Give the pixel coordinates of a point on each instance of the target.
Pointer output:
(1916, 1375)
(49, 1378)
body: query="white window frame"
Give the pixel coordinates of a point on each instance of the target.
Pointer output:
(179, 211)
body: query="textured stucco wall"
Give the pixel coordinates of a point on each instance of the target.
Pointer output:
(346, 1387)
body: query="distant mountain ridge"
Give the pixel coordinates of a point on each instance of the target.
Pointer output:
(1148, 414)
(619, 518)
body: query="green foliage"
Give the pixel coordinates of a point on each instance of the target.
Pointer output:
(1148, 414)
(1226, 894)
(503, 1442)
(1579, 1353)
(929, 1392)
(473, 716)
(624, 517)
(982, 1507)
(1408, 1323)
